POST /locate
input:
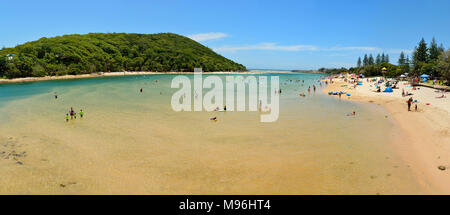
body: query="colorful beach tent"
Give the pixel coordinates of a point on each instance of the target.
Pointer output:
(388, 90)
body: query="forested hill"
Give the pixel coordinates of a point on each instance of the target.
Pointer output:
(100, 52)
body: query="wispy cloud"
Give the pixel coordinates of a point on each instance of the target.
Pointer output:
(398, 51)
(266, 46)
(353, 48)
(207, 36)
(294, 48)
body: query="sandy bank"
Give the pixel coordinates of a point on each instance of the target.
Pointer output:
(423, 140)
(47, 78)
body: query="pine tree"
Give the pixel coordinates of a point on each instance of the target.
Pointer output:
(371, 60)
(441, 48)
(386, 59)
(383, 58)
(378, 60)
(434, 50)
(407, 60)
(401, 59)
(421, 52)
(365, 60)
(358, 64)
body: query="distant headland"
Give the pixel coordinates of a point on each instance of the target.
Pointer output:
(110, 52)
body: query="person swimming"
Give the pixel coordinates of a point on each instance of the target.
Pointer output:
(352, 114)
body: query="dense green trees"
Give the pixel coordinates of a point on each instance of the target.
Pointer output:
(426, 59)
(432, 60)
(98, 52)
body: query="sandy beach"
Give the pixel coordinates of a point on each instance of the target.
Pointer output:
(424, 137)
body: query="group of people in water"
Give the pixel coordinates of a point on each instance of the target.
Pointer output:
(73, 114)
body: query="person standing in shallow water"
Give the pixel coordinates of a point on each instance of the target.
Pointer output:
(71, 113)
(81, 113)
(140, 90)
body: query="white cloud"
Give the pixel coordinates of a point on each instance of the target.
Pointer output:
(207, 36)
(354, 48)
(266, 46)
(275, 47)
(398, 51)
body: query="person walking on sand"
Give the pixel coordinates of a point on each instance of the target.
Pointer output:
(415, 106)
(410, 100)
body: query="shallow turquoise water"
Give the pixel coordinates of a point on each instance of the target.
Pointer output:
(313, 148)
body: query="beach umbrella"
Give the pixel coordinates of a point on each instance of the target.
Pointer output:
(424, 76)
(402, 76)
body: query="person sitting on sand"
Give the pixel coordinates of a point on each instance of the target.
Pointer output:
(213, 119)
(441, 97)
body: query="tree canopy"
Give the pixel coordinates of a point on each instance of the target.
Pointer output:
(109, 52)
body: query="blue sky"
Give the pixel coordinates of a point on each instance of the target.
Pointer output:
(259, 34)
